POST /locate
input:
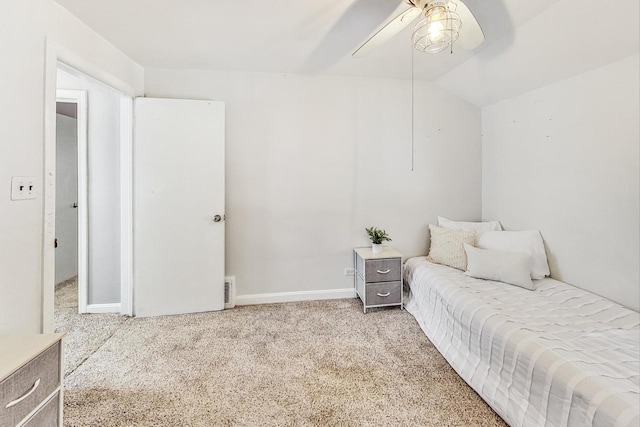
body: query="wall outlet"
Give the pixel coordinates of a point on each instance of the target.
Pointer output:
(23, 187)
(350, 271)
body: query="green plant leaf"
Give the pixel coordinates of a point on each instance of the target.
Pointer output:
(377, 236)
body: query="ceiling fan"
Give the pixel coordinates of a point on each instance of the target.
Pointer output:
(443, 22)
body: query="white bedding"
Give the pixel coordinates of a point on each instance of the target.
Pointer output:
(556, 356)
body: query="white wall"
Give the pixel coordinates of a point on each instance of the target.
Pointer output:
(66, 196)
(564, 159)
(24, 27)
(312, 161)
(103, 165)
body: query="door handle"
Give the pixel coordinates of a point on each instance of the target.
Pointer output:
(75, 205)
(218, 218)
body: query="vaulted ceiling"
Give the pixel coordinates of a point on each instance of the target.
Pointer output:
(318, 37)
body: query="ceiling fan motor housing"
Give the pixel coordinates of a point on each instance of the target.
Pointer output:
(422, 4)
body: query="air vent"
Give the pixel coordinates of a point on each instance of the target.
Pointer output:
(229, 292)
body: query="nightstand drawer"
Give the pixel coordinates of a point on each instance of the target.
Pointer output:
(48, 415)
(27, 387)
(383, 293)
(382, 270)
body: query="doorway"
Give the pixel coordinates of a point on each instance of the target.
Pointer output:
(69, 238)
(99, 178)
(87, 263)
(73, 198)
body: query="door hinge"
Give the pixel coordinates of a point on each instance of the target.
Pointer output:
(55, 242)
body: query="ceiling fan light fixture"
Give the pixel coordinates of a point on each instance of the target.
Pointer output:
(438, 29)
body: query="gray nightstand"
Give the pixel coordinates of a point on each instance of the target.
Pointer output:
(31, 380)
(378, 277)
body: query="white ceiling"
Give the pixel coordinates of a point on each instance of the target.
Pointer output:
(567, 39)
(318, 37)
(282, 36)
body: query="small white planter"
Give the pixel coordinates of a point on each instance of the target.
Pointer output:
(376, 248)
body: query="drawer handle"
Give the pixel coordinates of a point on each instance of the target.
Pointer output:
(383, 295)
(20, 399)
(383, 272)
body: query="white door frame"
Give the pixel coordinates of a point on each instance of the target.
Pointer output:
(79, 97)
(55, 54)
(126, 206)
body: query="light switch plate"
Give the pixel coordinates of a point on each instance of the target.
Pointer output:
(23, 187)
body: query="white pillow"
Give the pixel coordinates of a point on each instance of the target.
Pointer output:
(446, 246)
(478, 227)
(503, 266)
(529, 242)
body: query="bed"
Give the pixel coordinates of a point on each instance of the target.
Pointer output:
(555, 356)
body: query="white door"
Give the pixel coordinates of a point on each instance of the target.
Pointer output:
(178, 208)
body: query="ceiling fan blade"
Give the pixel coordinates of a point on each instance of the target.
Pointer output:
(388, 31)
(471, 35)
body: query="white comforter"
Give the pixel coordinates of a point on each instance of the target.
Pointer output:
(556, 356)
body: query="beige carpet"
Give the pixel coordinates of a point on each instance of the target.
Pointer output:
(321, 363)
(86, 332)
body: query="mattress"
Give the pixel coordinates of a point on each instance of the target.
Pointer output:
(556, 356)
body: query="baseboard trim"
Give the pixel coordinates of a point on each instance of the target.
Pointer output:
(103, 308)
(277, 297)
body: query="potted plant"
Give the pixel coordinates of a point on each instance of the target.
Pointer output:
(377, 237)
